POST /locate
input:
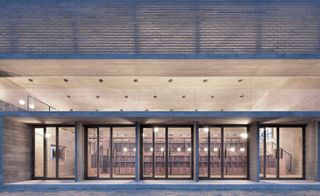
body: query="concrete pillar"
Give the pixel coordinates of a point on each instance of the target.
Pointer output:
(312, 151)
(196, 151)
(254, 152)
(79, 152)
(1, 152)
(137, 162)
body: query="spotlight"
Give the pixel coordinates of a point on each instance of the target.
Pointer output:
(244, 135)
(31, 106)
(22, 102)
(178, 149)
(125, 149)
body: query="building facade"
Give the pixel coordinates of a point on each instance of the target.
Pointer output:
(148, 90)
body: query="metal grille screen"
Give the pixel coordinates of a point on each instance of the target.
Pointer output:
(159, 27)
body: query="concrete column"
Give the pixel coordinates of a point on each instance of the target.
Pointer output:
(312, 151)
(79, 152)
(1, 152)
(137, 162)
(254, 152)
(196, 151)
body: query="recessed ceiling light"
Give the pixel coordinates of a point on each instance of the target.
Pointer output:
(22, 102)
(155, 96)
(205, 80)
(240, 80)
(183, 96)
(121, 110)
(100, 80)
(71, 110)
(147, 110)
(221, 110)
(170, 80)
(97, 96)
(126, 96)
(68, 96)
(212, 96)
(97, 110)
(136, 80)
(241, 96)
(171, 110)
(66, 80)
(30, 80)
(32, 106)
(195, 110)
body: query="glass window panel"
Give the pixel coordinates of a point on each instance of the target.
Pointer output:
(235, 152)
(180, 153)
(215, 152)
(66, 152)
(160, 152)
(92, 162)
(51, 151)
(39, 152)
(147, 152)
(123, 144)
(290, 154)
(261, 149)
(271, 152)
(203, 151)
(104, 152)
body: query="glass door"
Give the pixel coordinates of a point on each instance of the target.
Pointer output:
(167, 152)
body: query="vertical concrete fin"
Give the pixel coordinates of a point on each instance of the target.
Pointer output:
(196, 151)
(137, 161)
(254, 152)
(79, 152)
(312, 152)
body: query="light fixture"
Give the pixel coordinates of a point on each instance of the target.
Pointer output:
(125, 149)
(206, 129)
(205, 149)
(48, 135)
(143, 135)
(134, 149)
(22, 102)
(242, 149)
(156, 129)
(178, 149)
(151, 149)
(189, 149)
(195, 110)
(244, 135)
(121, 110)
(215, 149)
(162, 149)
(31, 106)
(232, 149)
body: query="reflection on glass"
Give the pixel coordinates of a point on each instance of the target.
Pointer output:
(180, 153)
(39, 152)
(235, 152)
(92, 163)
(147, 152)
(203, 151)
(104, 152)
(271, 152)
(160, 152)
(290, 155)
(66, 152)
(215, 152)
(261, 149)
(123, 144)
(51, 151)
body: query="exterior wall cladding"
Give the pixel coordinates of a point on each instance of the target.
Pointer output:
(154, 29)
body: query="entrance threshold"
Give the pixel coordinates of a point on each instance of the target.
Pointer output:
(108, 185)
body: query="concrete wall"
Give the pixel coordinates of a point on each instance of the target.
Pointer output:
(80, 152)
(312, 138)
(17, 152)
(254, 152)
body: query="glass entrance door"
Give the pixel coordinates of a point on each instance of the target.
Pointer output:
(167, 152)
(223, 152)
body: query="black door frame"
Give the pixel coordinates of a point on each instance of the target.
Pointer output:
(278, 177)
(222, 153)
(167, 127)
(45, 161)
